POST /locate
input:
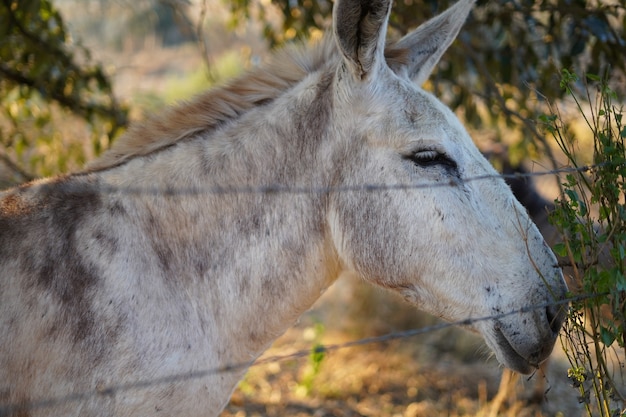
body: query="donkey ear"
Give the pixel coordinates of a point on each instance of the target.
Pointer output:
(360, 29)
(426, 44)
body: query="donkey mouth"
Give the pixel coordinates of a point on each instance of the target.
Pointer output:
(510, 357)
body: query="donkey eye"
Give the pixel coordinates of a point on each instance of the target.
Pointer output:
(428, 158)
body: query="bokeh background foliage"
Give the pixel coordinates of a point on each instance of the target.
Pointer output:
(507, 59)
(48, 81)
(505, 63)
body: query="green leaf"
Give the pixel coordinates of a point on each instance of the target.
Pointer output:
(620, 281)
(560, 249)
(573, 195)
(607, 336)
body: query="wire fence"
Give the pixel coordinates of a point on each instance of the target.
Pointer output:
(112, 390)
(289, 189)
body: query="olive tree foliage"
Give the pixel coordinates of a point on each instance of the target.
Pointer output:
(48, 85)
(508, 57)
(506, 61)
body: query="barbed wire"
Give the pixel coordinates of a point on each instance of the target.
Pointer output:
(289, 189)
(112, 390)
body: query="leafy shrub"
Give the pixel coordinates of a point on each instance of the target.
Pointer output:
(46, 81)
(591, 214)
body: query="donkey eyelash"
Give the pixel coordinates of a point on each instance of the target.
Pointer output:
(428, 158)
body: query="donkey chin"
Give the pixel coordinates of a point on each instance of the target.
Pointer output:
(523, 341)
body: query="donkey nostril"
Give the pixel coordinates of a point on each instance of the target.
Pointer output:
(555, 316)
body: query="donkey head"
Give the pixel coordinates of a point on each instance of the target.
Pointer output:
(452, 239)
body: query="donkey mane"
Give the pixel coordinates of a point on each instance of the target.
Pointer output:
(207, 111)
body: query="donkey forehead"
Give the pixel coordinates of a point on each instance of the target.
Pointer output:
(407, 115)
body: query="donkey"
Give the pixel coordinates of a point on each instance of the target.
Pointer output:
(204, 233)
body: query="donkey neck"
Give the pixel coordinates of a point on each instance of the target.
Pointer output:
(251, 262)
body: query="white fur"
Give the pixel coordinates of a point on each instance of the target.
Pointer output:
(106, 287)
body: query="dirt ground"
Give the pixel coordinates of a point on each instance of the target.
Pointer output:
(446, 372)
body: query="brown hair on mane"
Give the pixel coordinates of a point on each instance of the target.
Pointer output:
(208, 110)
